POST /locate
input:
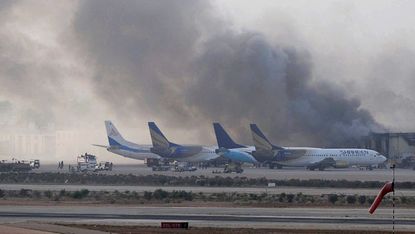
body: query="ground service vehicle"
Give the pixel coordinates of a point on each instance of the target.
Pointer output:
(233, 167)
(151, 162)
(180, 167)
(104, 166)
(34, 163)
(161, 168)
(86, 162)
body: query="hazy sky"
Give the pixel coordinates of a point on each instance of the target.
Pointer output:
(365, 46)
(317, 73)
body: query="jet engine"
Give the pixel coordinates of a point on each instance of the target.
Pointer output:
(341, 164)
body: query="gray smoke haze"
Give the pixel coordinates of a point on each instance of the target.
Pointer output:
(142, 52)
(155, 59)
(390, 87)
(22, 75)
(69, 65)
(37, 73)
(249, 80)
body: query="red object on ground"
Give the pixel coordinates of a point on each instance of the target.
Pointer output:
(387, 188)
(184, 225)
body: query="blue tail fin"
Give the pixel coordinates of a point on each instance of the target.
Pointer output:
(157, 137)
(260, 141)
(114, 137)
(223, 139)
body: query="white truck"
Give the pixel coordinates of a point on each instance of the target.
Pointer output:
(183, 166)
(86, 162)
(34, 163)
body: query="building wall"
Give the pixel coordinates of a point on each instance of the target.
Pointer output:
(26, 146)
(51, 147)
(395, 146)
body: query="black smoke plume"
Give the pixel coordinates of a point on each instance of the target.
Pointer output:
(178, 63)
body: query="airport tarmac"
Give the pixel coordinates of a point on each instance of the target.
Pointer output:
(338, 218)
(197, 189)
(351, 174)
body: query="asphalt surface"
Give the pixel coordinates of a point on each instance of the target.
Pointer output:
(43, 228)
(314, 218)
(216, 216)
(19, 230)
(231, 218)
(351, 174)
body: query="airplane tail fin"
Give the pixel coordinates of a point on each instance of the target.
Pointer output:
(157, 137)
(223, 139)
(260, 141)
(114, 137)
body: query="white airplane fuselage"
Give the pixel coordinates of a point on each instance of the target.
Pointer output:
(345, 156)
(133, 151)
(206, 154)
(305, 156)
(188, 153)
(141, 152)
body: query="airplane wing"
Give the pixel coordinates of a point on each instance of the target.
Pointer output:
(321, 165)
(103, 146)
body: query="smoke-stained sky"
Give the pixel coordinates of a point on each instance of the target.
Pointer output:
(323, 74)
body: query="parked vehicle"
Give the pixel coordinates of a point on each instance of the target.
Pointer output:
(161, 168)
(233, 167)
(104, 166)
(86, 162)
(151, 162)
(34, 163)
(180, 167)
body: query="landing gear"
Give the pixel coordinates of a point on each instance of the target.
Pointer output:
(319, 167)
(273, 165)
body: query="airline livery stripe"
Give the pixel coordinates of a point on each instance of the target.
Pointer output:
(261, 142)
(124, 147)
(159, 140)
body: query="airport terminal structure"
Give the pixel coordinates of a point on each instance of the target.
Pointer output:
(399, 147)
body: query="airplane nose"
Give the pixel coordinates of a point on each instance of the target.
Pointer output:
(383, 158)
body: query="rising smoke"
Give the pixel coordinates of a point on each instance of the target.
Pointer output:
(273, 86)
(178, 63)
(38, 76)
(181, 63)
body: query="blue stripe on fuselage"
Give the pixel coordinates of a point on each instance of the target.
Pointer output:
(180, 152)
(115, 144)
(240, 156)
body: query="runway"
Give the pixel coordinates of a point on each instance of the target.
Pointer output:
(306, 218)
(208, 190)
(222, 218)
(351, 174)
(216, 216)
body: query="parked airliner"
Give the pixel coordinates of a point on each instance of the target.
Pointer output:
(311, 158)
(118, 145)
(231, 150)
(181, 153)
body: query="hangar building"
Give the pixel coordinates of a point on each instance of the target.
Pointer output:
(399, 147)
